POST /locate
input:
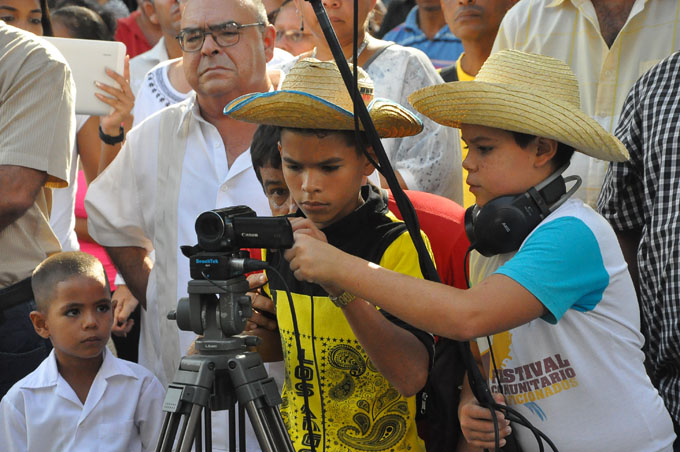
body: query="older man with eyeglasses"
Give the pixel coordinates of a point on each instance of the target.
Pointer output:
(181, 161)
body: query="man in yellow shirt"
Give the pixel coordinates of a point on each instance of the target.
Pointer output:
(475, 23)
(608, 45)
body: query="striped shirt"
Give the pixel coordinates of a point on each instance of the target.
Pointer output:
(443, 49)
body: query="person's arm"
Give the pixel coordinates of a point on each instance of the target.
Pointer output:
(135, 265)
(397, 354)
(546, 277)
(13, 434)
(19, 186)
(89, 148)
(497, 304)
(623, 196)
(629, 242)
(149, 413)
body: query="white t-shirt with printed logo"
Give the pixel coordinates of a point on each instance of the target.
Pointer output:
(577, 373)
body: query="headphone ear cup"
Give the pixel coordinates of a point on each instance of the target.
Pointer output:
(470, 216)
(500, 226)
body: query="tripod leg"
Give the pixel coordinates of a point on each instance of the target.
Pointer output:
(241, 428)
(232, 428)
(189, 427)
(170, 423)
(207, 416)
(164, 430)
(198, 440)
(269, 428)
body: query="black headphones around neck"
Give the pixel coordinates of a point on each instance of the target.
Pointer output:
(502, 224)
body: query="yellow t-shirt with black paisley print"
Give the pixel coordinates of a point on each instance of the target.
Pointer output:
(352, 406)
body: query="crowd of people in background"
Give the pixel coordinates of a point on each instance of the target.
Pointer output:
(238, 102)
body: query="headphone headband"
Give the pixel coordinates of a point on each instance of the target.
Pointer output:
(502, 224)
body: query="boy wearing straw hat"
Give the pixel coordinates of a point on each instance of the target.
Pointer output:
(359, 367)
(562, 309)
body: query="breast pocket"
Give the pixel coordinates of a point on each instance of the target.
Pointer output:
(119, 437)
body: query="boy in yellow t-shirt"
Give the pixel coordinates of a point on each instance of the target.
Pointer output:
(359, 367)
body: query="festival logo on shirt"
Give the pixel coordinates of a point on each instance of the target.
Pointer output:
(526, 384)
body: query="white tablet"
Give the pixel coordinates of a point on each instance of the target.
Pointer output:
(88, 60)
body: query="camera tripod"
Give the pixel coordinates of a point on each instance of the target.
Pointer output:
(222, 375)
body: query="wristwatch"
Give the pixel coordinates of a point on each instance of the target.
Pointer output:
(343, 299)
(110, 139)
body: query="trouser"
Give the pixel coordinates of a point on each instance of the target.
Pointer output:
(21, 348)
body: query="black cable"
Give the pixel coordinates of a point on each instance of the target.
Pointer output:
(495, 368)
(510, 413)
(466, 267)
(207, 278)
(494, 418)
(296, 333)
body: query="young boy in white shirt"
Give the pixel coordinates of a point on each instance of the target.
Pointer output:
(81, 397)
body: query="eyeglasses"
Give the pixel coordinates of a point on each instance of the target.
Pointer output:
(225, 35)
(291, 35)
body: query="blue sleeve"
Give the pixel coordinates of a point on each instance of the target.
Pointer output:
(560, 264)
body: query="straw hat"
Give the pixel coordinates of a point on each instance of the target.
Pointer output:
(313, 96)
(521, 92)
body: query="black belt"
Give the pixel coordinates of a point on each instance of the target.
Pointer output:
(16, 294)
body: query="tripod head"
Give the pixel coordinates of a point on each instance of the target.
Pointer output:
(217, 306)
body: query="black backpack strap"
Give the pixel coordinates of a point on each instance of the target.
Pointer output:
(450, 73)
(395, 229)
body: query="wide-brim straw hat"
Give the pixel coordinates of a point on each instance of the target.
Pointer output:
(313, 96)
(521, 92)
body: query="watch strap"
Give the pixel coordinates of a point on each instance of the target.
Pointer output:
(111, 140)
(343, 299)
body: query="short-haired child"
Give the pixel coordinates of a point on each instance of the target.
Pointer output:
(264, 152)
(81, 397)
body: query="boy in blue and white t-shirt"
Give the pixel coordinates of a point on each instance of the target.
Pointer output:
(562, 308)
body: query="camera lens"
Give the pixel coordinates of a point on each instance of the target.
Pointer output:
(209, 228)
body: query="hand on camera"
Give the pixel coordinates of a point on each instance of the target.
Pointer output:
(262, 305)
(311, 258)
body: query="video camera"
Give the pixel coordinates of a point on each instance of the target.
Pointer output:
(217, 306)
(222, 233)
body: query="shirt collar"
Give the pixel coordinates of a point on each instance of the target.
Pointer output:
(158, 52)
(190, 109)
(411, 21)
(47, 374)
(190, 106)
